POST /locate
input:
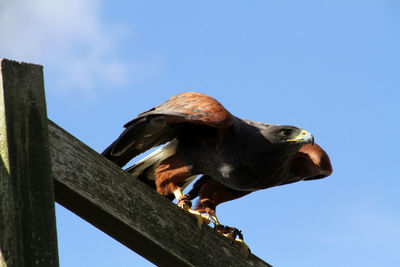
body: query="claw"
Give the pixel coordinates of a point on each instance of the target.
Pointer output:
(201, 219)
(236, 236)
(245, 247)
(214, 220)
(184, 202)
(232, 233)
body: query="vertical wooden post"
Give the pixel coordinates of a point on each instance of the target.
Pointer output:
(28, 234)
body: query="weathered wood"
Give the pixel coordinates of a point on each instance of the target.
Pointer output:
(27, 217)
(131, 212)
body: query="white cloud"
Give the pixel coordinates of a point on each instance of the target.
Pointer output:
(67, 37)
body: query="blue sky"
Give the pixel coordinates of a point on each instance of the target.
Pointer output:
(331, 67)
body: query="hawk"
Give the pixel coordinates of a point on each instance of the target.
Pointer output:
(234, 156)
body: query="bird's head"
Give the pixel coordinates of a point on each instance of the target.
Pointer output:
(286, 135)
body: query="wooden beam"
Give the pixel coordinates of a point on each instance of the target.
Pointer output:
(131, 212)
(27, 217)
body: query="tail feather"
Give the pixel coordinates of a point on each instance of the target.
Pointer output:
(149, 163)
(144, 169)
(141, 134)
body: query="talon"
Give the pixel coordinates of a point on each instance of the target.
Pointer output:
(214, 221)
(184, 202)
(239, 234)
(232, 233)
(201, 219)
(245, 247)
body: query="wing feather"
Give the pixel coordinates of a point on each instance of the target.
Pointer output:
(164, 122)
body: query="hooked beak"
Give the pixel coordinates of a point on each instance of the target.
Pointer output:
(303, 137)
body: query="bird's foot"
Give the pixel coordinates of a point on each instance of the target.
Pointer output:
(185, 203)
(235, 235)
(202, 220)
(230, 232)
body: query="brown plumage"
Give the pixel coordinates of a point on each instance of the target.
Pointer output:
(311, 162)
(235, 156)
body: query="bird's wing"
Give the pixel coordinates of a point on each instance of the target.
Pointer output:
(164, 122)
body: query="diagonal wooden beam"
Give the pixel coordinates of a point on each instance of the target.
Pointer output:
(28, 234)
(87, 184)
(131, 212)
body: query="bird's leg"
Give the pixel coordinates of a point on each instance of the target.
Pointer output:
(213, 217)
(184, 202)
(232, 233)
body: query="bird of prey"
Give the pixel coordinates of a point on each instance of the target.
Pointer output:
(234, 156)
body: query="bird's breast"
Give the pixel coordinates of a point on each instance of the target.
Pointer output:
(237, 162)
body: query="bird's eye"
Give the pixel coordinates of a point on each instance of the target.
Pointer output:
(286, 132)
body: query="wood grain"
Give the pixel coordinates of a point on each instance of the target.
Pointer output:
(131, 212)
(37, 156)
(28, 234)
